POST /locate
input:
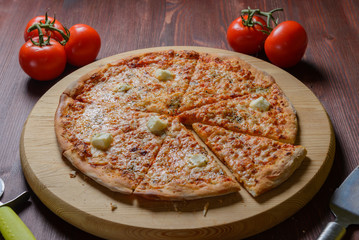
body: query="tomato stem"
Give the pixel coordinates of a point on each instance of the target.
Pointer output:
(48, 25)
(269, 15)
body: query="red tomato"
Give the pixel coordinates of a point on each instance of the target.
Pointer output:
(83, 46)
(41, 19)
(286, 44)
(244, 39)
(42, 62)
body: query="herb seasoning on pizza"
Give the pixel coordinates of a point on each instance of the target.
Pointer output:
(127, 126)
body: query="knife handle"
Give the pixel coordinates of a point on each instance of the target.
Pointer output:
(12, 227)
(333, 231)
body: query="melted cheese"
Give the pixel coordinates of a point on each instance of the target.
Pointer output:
(164, 75)
(198, 160)
(156, 125)
(260, 104)
(102, 141)
(122, 87)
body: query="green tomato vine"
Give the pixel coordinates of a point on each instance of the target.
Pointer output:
(250, 22)
(48, 25)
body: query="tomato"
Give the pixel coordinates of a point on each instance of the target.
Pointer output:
(286, 44)
(245, 39)
(42, 62)
(41, 19)
(83, 45)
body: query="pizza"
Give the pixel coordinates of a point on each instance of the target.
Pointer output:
(86, 132)
(183, 169)
(217, 79)
(179, 125)
(266, 113)
(259, 163)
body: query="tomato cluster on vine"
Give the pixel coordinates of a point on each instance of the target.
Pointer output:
(284, 44)
(49, 46)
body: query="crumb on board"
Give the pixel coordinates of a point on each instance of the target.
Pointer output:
(175, 207)
(73, 174)
(113, 206)
(205, 209)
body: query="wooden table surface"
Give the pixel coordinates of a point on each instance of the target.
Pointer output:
(330, 68)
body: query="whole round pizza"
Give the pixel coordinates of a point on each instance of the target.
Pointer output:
(176, 125)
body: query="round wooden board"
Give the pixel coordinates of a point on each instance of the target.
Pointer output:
(87, 205)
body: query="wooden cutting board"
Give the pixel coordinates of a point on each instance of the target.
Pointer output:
(90, 207)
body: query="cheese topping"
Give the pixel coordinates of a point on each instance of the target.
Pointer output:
(156, 125)
(198, 160)
(164, 75)
(102, 141)
(122, 87)
(260, 104)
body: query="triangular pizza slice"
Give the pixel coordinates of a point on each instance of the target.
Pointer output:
(113, 146)
(151, 82)
(259, 163)
(267, 113)
(216, 79)
(184, 170)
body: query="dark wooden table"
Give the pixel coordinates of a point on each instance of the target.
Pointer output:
(330, 68)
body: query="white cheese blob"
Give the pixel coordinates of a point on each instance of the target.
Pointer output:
(198, 160)
(122, 87)
(260, 104)
(156, 125)
(102, 141)
(164, 75)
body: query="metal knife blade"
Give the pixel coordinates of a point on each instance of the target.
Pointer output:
(344, 205)
(18, 201)
(345, 200)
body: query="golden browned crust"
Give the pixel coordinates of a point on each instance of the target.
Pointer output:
(101, 174)
(273, 175)
(76, 87)
(190, 192)
(60, 122)
(291, 125)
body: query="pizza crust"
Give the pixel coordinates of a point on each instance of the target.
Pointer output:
(178, 193)
(65, 101)
(101, 175)
(77, 86)
(273, 175)
(96, 173)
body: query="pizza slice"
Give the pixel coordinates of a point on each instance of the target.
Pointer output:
(259, 163)
(167, 81)
(151, 82)
(113, 147)
(216, 79)
(267, 113)
(183, 169)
